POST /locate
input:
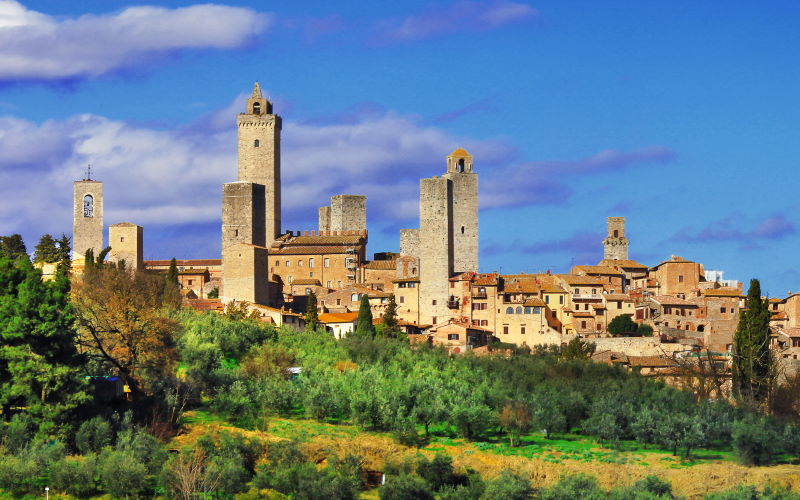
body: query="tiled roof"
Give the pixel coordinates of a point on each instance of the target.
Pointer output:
(722, 292)
(384, 265)
(460, 152)
(624, 263)
(668, 300)
(308, 250)
(673, 260)
(206, 304)
(596, 270)
(534, 302)
(522, 286)
(583, 314)
(323, 240)
(552, 289)
(618, 296)
(571, 279)
(184, 263)
(193, 270)
(651, 361)
(338, 317)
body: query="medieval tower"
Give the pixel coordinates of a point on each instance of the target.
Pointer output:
(87, 217)
(464, 184)
(260, 156)
(347, 212)
(127, 244)
(615, 245)
(448, 234)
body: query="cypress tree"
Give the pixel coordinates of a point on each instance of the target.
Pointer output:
(46, 250)
(364, 326)
(172, 273)
(752, 359)
(390, 326)
(311, 317)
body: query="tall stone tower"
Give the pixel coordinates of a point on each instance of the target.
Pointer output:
(465, 211)
(615, 245)
(87, 217)
(260, 156)
(243, 216)
(435, 248)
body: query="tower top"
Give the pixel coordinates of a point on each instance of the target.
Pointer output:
(459, 161)
(460, 152)
(256, 91)
(256, 104)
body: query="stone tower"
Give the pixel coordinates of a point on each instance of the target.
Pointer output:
(127, 243)
(615, 245)
(87, 217)
(243, 219)
(435, 248)
(260, 156)
(465, 211)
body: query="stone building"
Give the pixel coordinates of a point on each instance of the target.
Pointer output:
(87, 217)
(127, 244)
(677, 276)
(260, 156)
(464, 192)
(615, 245)
(243, 212)
(347, 212)
(244, 276)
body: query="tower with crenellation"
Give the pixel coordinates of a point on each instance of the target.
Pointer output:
(615, 245)
(260, 156)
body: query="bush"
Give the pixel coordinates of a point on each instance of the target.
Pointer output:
(143, 447)
(754, 440)
(75, 476)
(581, 486)
(438, 472)
(406, 487)
(19, 475)
(649, 488)
(93, 435)
(122, 474)
(510, 486)
(18, 433)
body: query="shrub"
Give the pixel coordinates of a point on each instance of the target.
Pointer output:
(143, 447)
(19, 432)
(509, 486)
(438, 472)
(406, 487)
(93, 435)
(75, 477)
(581, 486)
(122, 474)
(754, 440)
(18, 475)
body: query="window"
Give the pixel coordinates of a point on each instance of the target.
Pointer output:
(509, 310)
(577, 291)
(338, 283)
(452, 336)
(583, 325)
(433, 302)
(553, 313)
(722, 310)
(412, 285)
(433, 319)
(560, 299)
(256, 143)
(616, 233)
(236, 232)
(527, 310)
(619, 304)
(121, 239)
(256, 108)
(277, 263)
(484, 322)
(505, 329)
(288, 263)
(326, 262)
(338, 302)
(522, 329)
(354, 297)
(311, 274)
(88, 206)
(537, 310)
(462, 229)
(299, 263)
(308, 291)
(519, 310)
(594, 291)
(402, 299)
(289, 279)
(680, 279)
(546, 299)
(328, 284)
(311, 262)
(190, 282)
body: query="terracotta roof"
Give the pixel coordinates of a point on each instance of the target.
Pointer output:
(722, 292)
(631, 264)
(583, 314)
(673, 260)
(779, 315)
(206, 304)
(572, 279)
(668, 300)
(522, 286)
(552, 289)
(610, 357)
(308, 250)
(305, 281)
(184, 263)
(338, 317)
(349, 239)
(596, 270)
(618, 296)
(384, 265)
(460, 152)
(193, 270)
(405, 280)
(651, 361)
(534, 302)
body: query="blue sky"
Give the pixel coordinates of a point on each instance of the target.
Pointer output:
(681, 116)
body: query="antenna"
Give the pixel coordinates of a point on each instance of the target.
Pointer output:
(89, 172)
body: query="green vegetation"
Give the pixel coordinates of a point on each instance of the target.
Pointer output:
(311, 317)
(753, 366)
(364, 326)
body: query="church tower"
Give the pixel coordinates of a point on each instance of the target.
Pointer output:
(615, 245)
(260, 156)
(87, 217)
(464, 211)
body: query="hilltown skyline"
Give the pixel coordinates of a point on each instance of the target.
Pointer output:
(160, 133)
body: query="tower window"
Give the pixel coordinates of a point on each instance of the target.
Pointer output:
(462, 229)
(256, 108)
(460, 165)
(88, 206)
(616, 233)
(256, 143)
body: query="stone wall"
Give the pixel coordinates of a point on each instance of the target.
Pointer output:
(243, 214)
(324, 219)
(465, 220)
(409, 242)
(348, 212)
(87, 226)
(435, 248)
(615, 246)
(244, 275)
(127, 244)
(636, 346)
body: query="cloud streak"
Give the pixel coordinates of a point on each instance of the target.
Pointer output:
(771, 228)
(462, 16)
(38, 47)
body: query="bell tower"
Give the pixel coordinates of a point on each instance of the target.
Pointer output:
(87, 216)
(260, 156)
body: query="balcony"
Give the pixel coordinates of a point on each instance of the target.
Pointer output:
(453, 304)
(478, 295)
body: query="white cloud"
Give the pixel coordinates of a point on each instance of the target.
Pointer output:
(35, 46)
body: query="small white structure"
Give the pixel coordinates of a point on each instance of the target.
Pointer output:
(339, 324)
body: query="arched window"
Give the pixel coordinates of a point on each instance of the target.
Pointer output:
(256, 108)
(460, 165)
(88, 206)
(519, 310)
(527, 310)
(509, 310)
(256, 143)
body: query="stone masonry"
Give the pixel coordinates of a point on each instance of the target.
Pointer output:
(409, 242)
(244, 276)
(260, 156)
(87, 217)
(435, 248)
(243, 214)
(465, 211)
(615, 245)
(324, 219)
(127, 244)
(348, 212)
